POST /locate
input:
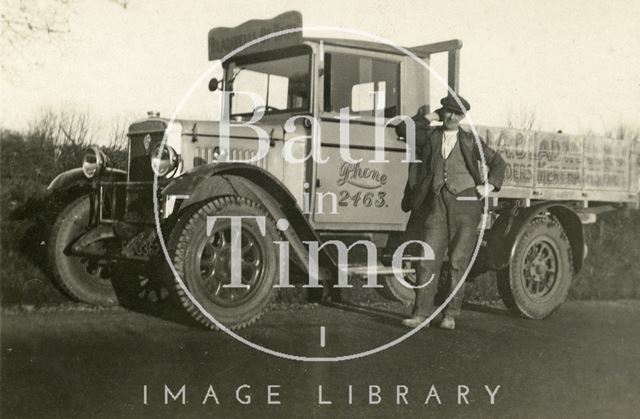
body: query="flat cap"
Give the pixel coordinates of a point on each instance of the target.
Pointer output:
(449, 104)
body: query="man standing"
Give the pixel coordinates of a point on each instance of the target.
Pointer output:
(444, 195)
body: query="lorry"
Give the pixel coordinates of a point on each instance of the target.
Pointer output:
(308, 86)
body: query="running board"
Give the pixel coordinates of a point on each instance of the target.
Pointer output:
(363, 270)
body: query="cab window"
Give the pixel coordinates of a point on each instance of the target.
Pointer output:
(282, 83)
(350, 81)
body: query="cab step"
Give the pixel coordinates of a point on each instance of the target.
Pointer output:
(363, 270)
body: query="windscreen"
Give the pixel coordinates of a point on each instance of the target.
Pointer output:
(283, 84)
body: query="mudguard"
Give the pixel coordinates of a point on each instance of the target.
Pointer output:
(502, 236)
(240, 179)
(75, 178)
(68, 186)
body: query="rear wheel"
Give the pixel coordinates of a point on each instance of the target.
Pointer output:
(82, 278)
(540, 271)
(203, 262)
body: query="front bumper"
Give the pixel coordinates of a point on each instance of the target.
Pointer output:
(122, 222)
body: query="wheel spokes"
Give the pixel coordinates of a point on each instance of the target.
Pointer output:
(214, 262)
(248, 247)
(540, 268)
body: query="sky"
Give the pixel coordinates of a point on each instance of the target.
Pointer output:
(576, 64)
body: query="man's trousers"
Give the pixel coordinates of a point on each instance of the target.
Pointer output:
(450, 227)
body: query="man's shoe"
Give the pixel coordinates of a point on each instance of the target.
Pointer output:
(448, 323)
(414, 322)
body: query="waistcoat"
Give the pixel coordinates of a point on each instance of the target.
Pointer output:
(452, 172)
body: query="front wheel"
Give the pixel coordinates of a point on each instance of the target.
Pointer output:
(202, 261)
(82, 278)
(539, 275)
(394, 290)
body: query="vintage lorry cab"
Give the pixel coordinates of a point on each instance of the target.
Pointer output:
(280, 98)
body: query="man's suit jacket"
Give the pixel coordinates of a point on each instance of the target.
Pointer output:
(421, 175)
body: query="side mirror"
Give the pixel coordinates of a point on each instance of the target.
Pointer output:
(214, 84)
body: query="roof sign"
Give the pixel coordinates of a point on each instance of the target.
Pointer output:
(224, 40)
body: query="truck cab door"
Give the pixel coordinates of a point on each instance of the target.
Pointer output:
(363, 195)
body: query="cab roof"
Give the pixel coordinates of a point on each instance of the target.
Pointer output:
(358, 44)
(420, 50)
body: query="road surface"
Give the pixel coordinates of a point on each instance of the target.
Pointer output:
(583, 361)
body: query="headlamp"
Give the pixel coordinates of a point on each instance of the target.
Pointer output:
(164, 160)
(93, 162)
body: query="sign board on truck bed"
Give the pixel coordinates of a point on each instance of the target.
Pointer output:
(542, 165)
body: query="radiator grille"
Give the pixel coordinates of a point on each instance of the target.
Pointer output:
(204, 155)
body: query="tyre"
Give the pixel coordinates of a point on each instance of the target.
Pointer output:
(391, 288)
(540, 271)
(203, 262)
(394, 290)
(82, 278)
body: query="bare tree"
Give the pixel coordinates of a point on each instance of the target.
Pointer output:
(26, 22)
(64, 127)
(64, 135)
(522, 118)
(33, 20)
(122, 3)
(623, 132)
(117, 131)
